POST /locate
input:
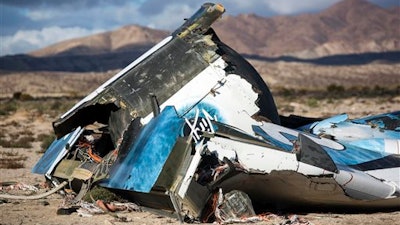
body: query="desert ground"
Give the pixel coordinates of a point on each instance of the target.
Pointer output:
(31, 101)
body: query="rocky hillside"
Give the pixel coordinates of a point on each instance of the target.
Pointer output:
(350, 26)
(125, 39)
(350, 30)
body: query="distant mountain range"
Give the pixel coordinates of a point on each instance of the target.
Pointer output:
(357, 29)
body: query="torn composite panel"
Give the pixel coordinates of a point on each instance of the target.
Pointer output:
(342, 185)
(214, 106)
(195, 73)
(163, 74)
(191, 116)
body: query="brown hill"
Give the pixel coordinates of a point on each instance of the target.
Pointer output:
(350, 26)
(123, 39)
(349, 32)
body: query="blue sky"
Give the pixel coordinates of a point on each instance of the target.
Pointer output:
(26, 25)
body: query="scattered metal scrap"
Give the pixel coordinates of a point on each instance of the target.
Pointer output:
(191, 129)
(87, 209)
(9, 186)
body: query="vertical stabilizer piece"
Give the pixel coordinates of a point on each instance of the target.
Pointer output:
(313, 154)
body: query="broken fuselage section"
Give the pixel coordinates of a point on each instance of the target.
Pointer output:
(191, 117)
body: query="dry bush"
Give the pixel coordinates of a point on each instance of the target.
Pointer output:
(20, 139)
(22, 96)
(11, 160)
(8, 107)
(101, 193)
(335, 91)
(23, 142)
(46, 140)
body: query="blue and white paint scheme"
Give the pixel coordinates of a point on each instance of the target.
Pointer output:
(141, 167)
(55, 153)
(192, 117)
(365, 156)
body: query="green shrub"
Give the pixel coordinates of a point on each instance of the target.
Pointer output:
(23, 142)
(8, 107)
(312, 102)
(11, 160)
(334, 88)
(287, 108)
(46, 140)
(22, 96)
(101, 193)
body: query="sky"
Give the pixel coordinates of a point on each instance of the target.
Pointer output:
(27, 25)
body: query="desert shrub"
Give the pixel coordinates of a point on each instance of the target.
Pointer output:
(8, 107)
(56, 105)
(41, 109)
(286, 108)
(46, 140)
(101, 193)
(11, 164)
(73, 94)
(2, 140)
(335, 89)
(12, 160)
(285, 92)
(26, 132)
(9, 154)
(22, 96)
(378, 90)
(23, 142)
(14, 136)
(5, 143)
(312, 102)
(17, 140)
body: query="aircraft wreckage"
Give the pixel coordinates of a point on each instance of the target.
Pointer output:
(191, 122)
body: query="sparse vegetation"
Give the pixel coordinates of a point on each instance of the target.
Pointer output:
(17, 139)
(312, 102)
(46, 140)
(22, 142)
(22, 96)
(335, 89)
(11, 160)
(104, 194)
(286, 108)
(18, 134)
(37, 106)
(338, 92)
(8, 107)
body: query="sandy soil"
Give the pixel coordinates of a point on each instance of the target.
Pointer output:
(43, 212)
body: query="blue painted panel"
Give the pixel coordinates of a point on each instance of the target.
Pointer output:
(327, 123)
(358, 152)
(139, 170)
(52, 154)
(259, 131)
(389, 121)
(355, 152)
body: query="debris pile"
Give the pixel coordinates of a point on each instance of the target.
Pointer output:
(190, 128)
(100, 207)
(13, 186)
